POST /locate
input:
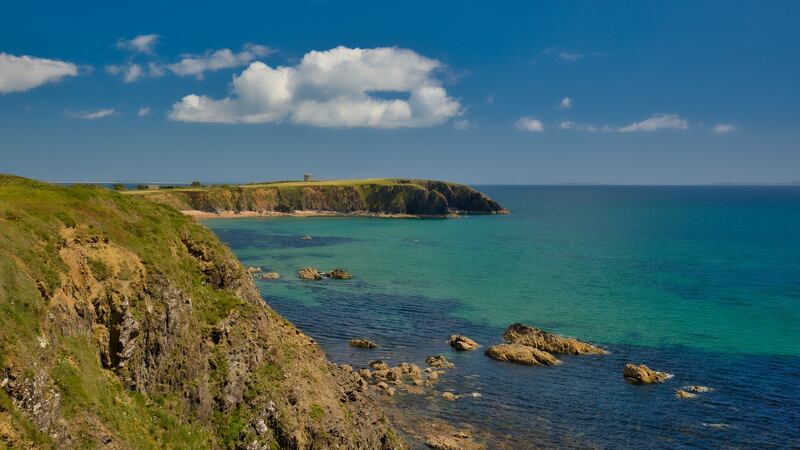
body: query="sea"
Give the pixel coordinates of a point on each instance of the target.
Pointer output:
(700, 282)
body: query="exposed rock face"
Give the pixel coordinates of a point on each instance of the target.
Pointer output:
(146, 301)
(523, 334)
(362, 343)
(338, 274)
(643, 374)
(462, 343)
(412, 197)
(439, 361)
(521, 354)
(309, 273)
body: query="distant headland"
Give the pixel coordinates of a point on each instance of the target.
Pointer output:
(379, 197)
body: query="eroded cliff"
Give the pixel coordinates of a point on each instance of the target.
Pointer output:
(381, 196)
(124, 324)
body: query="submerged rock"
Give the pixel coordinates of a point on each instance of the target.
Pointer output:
(697, 389)
(523, 334)
(521, 354)
(306, 238)
(338, 274)
(309, 273)
(680, 393)
(270, 276)
(449, 396)
(439, 361)
(362, 343)
(643, 374)
(462, 343)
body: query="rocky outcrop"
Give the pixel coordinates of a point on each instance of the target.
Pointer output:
(124, 324)
(533, 337)
(309, 273)
(643, 374)
(439, 362)
(338, 274)
(521, 354)
(362, 343)
(270, 276)
(462, 343)
(390, 196)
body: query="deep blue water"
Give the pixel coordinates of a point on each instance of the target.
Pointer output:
(701, 282)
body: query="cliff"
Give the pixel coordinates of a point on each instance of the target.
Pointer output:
(373, 196)
(125, 324)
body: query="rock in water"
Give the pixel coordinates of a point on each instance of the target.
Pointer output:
(379, 365)
(643, 374)
(439, 361)
(309, 273)
(449, 396)
(680, 393)
(270, 276)
(698, 389)
(338, 274)
(521, 354)
(306, 238)
(462, 343)
(523, 334)
(362, 343)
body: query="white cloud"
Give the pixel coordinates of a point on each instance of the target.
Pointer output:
(130, 72)
(332, 88)
(20, 73)
(567, 56)
(530, 124)
(143, 43)
(657, 122)
(219, 59)
(143, 111)
(92, 114)
(566, 103)
(463, 124)
(723, 128)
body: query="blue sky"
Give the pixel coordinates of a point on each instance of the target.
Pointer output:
(659, 92)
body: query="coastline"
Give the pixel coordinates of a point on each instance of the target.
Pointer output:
(198, 214)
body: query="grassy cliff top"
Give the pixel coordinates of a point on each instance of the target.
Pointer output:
(301, 184)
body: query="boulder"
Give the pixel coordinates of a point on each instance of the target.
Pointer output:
(379, 365)
(365, 373)
(306, 238)
(338, 274)
(521, 354)
(252, 270)
(462, 343)
(270, 276)
(442, 442)
(449, 396)
(680, 393)
(309, 273)
(439, 361)
(643, 374)
(362, 343)
(533, 337)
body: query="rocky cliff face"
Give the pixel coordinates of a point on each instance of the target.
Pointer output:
(412, 197)
(124, 324)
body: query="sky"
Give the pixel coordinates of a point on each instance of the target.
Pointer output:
(615, 92)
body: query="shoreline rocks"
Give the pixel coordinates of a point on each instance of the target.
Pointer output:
(519, 333)
(439, 362)
(338, 274)
(309, 273)
(362, 343)
(521, 354)
(270, 276)
(643, 374)
(462, 343)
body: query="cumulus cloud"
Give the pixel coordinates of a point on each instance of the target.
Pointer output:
(657, 122)
(194, 65)
(143, 43)
(341, 87)
(20, 73)
(143, 111)
(530, 124)
(92, 114)
(566, 103)
(723, 128)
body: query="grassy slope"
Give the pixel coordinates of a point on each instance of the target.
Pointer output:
(55, 364)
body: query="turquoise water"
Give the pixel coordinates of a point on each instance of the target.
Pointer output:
(702, 282)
